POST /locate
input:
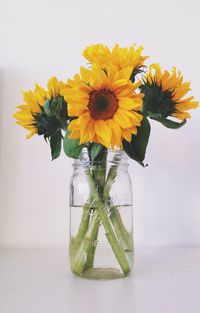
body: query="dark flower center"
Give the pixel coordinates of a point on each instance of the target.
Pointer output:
(102, 104)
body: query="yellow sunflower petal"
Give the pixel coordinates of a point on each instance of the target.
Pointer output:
(128, 103)
(127, 135)
(187, 106)
(116, 132)
(33, 132)
(125, 73)
(122, 119)
(53, 87)
(181, 115)
(101, 56)
(75, 135)
(104, 132)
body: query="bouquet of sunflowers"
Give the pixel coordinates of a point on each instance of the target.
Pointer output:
(106, 106)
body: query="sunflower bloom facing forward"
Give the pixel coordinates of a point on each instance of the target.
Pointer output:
(31, 113)
(165, 92)
(105, 105)
(101, 56)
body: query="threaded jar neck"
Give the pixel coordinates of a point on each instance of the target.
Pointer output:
(116, 157)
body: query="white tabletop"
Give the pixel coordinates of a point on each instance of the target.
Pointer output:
(165, 280)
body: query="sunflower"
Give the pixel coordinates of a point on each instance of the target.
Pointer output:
(164, 93)
(105, 104)
(101, 56)
(31, 113)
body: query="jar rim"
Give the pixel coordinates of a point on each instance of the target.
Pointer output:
(78, 162)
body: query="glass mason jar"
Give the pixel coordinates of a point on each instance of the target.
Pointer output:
(101, 225)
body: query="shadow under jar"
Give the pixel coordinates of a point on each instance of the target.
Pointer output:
(101, 216)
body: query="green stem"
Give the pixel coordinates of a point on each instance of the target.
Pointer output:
(84, 222)
(84, 254)
(85, 219)
(93, 235)
(99, 176)
(111, 176)
(121, 232)
(78, 256)
(91, 251)
(115, 216)
(99, 205)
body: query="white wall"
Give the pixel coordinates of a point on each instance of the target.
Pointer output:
(43, 38)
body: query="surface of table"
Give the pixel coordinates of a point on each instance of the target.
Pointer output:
(165, 280)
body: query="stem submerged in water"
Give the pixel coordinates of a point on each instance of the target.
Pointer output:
(84, 245)
(100, 207)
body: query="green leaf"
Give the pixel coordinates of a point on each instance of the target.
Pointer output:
(55, 144)
(169, 123)
(95, 150)
(72, 148)
(136, 149)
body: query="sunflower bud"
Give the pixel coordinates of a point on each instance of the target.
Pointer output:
(44, 112)
(163, 97)
(52, 118)
(156, 102)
